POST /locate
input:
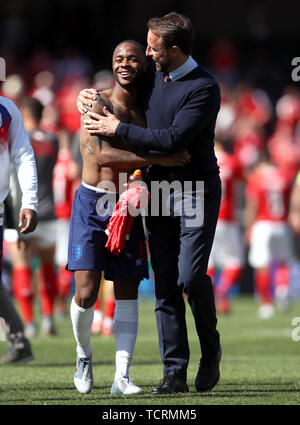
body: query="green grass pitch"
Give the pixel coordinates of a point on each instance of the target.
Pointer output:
(260, 365)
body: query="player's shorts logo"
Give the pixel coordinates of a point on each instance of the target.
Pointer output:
(77, 252)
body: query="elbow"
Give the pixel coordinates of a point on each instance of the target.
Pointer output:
(104, 160)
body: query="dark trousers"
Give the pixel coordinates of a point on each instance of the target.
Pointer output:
(179, 257)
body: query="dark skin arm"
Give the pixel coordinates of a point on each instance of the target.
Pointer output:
(31, 221)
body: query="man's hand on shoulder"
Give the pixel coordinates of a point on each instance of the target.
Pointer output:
(31, 221)
(85, 99)
(98, 124)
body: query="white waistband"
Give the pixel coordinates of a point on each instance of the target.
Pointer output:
(96, 189)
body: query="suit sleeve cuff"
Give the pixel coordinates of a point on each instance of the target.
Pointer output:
(122, 130)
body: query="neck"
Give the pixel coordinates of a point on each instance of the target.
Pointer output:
(125, 96)
(178, 61)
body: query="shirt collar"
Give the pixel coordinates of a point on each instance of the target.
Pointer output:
(184, 69)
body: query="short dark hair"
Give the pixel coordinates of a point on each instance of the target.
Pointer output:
(135, 43)
(34, 106)
(138, 45)
(175, 30)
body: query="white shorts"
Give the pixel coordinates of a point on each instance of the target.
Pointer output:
(62, 241)
(227, 250)
(44, 235)
(270, 242)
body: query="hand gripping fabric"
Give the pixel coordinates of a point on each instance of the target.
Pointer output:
(119, 226)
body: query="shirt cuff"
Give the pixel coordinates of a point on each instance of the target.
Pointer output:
(29, 207)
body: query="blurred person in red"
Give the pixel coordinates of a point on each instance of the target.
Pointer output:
(248, 142)
(288, 109)
(269, 236)
(227, 252)
(43, 88)
(63, 189)
(284, 151)
(253, 104)
(71, 75)
(104, 309)
(63, 198)
(66, 99)
(42, 241)
(253, 114)
(226, 118)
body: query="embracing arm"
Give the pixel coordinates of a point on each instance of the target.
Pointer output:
(194, 115)
(109, 154)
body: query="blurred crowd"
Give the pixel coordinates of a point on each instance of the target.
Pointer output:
(252, 128)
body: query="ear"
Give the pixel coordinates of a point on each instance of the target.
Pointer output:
(175, 50)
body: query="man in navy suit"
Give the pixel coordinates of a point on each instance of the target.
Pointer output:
(181, 108)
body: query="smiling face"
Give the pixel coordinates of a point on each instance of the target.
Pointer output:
(162, 56)
(129, 64)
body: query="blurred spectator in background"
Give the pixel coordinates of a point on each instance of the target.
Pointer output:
(104, 309)
(63, 197)
(42, 241)
(223, 60)
(227, 254)
(43, 88)
(103, 80)
(72, 65)
(14, 88)
(269, 236)
(65, 101)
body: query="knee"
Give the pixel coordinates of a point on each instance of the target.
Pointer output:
(85, 298)
(194, 284)
(85, 295)
(126, 289)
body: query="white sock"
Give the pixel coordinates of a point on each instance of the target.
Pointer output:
(125, 326)
(82, 319)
